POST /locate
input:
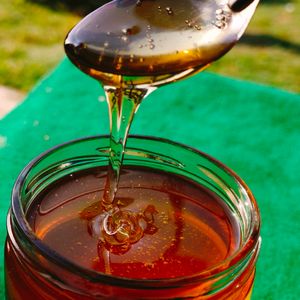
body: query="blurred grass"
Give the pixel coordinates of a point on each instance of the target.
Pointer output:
(269, 52)
(32, 35)
(31, 41)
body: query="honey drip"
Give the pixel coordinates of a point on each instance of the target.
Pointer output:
(132, 47)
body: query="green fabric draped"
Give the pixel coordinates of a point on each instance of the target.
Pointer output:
(253, 129)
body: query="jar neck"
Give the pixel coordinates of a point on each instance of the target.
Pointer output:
(62, 273)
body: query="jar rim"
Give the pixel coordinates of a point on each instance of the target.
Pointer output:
(248, 246)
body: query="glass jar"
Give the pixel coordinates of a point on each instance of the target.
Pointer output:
(35, 271)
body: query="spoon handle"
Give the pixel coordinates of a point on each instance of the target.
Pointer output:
(239, 5)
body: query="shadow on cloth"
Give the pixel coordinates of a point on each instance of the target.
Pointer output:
(266, 40)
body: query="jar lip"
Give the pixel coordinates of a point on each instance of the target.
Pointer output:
(249, 245)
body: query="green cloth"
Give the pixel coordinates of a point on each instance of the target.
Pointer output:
(253, 129)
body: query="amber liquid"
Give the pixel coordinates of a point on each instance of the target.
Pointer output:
(152, 42)
(187, 229)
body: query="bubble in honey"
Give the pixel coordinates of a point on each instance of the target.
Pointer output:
(169, 10)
